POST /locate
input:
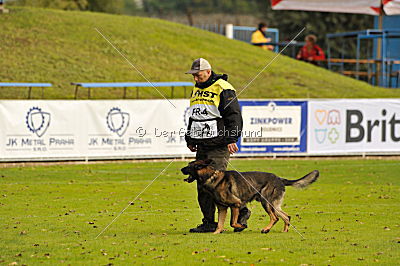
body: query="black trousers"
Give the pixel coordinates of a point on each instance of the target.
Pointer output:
(220, 156)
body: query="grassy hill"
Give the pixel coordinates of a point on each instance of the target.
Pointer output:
(43, 45)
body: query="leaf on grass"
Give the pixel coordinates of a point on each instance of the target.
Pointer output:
(161, 257)
(268, 249)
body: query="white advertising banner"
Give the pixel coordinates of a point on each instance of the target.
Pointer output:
(273, 126)
(275, 122)
(353, 126)
(59, 130)
(92, 129)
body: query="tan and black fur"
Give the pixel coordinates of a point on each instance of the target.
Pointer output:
(233, 189)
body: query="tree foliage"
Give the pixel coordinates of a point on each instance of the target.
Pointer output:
(288, 22)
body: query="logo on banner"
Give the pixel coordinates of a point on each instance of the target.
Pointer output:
(117, 121)
(320, 135)
(320, 116)
(38, 121)
(333, 135)
(329, 119)
(334, 117)
(271, 106)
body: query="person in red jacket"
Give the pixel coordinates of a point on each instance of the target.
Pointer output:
(311, 52)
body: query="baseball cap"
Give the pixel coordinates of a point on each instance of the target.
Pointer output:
(198, 65)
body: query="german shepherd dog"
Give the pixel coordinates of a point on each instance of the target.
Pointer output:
(233, 189)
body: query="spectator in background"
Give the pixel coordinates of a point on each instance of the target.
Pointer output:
(2, 8)
(259, 38)
(311, 52)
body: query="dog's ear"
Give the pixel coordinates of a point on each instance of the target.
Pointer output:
(204, 164)
(199, 166)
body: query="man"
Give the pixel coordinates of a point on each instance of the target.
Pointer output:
(259, 38)
(214, 127)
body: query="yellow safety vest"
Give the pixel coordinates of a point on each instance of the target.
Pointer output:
(205, 120)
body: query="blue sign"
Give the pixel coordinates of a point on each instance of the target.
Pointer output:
(273, 127)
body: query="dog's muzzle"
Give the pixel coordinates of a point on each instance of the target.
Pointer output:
(190, 179)
(186, 171)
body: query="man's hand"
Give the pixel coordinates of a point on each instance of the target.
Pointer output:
(192, 148)
(232, 147)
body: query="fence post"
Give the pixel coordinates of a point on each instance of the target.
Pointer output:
(229, 31)
(76, 91)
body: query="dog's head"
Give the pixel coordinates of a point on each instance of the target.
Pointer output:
(199, 170)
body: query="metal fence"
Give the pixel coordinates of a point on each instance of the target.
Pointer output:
(242, 33)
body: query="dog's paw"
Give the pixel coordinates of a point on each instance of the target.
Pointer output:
(239, 225)
(265, 231)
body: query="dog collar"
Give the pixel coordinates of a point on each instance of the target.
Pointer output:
(214, 176)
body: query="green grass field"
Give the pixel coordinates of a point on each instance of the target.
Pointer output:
(52, 214)
(60, 47)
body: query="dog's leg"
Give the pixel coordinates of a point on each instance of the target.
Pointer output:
(221, 218)
(273, 218)
(235, 216)
(282, 214)
(285, 218)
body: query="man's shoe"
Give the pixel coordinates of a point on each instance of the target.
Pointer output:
(244, 215)
(205, 227)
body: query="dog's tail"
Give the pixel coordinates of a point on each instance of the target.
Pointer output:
(304, 181)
